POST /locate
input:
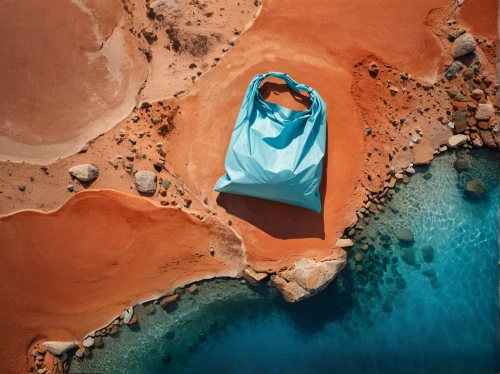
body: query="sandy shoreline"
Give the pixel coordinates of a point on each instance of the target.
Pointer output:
(273, 235)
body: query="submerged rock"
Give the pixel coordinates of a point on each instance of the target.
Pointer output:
(408, 256)
(461, 164)
(427, 253)
(404, 235)
(84, 172)
(475, 188)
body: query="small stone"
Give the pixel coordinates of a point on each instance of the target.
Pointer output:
(364, 247)
(193, 288)
(455, 34)
(113, 330)
(21, 187)
(373, 69)
(358, 257)
(410, 170)
(468, 73)
(145, 105)
(452, 93)
(42, 371)
(484, 112)
(398, 176)
(427, 86)
(145, 181)
(393, 90)
(477, 94)
(88, 342)
(344, 243)
(463, 45)
(84, 172)
(483, 125)
(79, 353)
(133, 320)
(359, 268)
(212, 251)
(443, 148)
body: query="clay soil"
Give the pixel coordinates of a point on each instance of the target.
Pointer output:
(78, 261)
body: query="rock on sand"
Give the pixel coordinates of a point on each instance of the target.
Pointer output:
(145, 181)
(84, 172)
(463, 45)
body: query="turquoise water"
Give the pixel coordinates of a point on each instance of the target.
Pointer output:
(392, 317)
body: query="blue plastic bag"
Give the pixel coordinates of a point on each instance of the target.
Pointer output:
(276, 153)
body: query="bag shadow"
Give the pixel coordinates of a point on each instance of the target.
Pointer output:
(280, 220)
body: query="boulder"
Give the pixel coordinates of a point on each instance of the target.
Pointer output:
(475, 188)
(463, 45)
(79, 353)
(128, 314)
(88, 342)
(113, 330)
(423, 153)
(344, 243)
(457, 140)
(162, 9)
(145, 181)
(84, 172)
(290, 291)
(484, 112)
(253, 277)
(427, 253)
(404, 235)
(58, 348)
(169, 300)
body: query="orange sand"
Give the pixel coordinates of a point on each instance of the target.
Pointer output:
(53, 274)
(100, 253)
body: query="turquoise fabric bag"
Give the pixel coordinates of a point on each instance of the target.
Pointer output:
(276, 153)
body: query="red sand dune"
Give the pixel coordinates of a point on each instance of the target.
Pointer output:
(70, 271)
(54, 275)
(70, 73)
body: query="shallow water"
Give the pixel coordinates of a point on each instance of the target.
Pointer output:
(391, 317)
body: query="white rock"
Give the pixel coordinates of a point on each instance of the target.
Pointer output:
(84, 172)
(457, 140)
(415, 138)
(58, 348)
(129, 313)
(343, 243)
(451, 125)
(88, 342)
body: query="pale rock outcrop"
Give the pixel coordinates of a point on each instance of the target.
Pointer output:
(253, 277)
(308, 277)
(58, 348)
